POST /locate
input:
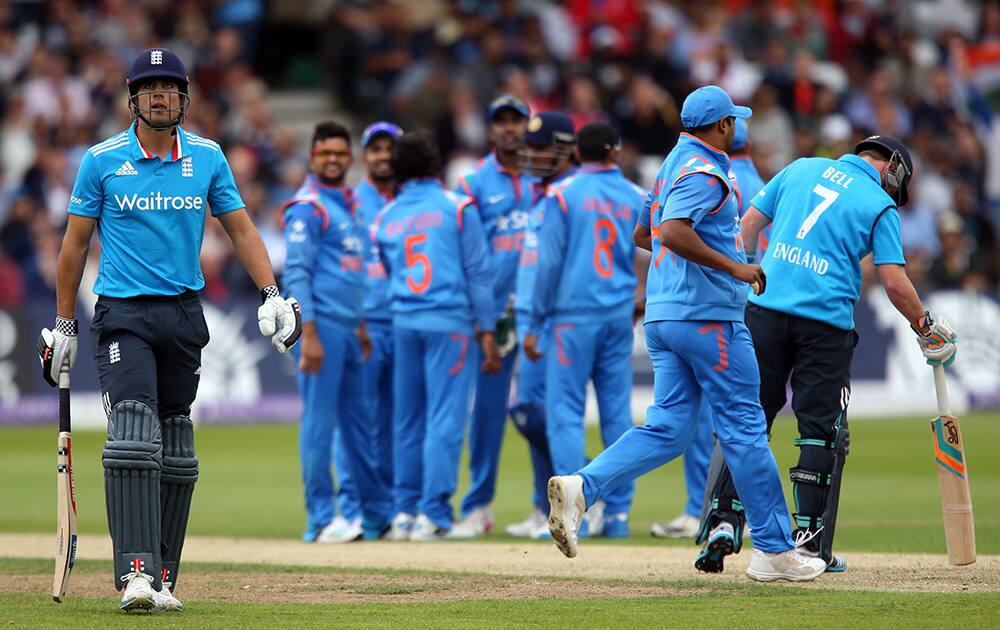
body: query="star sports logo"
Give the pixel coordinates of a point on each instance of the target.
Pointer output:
(126, 169)
(156, 57)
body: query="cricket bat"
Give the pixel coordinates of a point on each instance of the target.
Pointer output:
(953, 478)
(66, 498)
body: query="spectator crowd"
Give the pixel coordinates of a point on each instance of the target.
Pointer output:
(820, 75)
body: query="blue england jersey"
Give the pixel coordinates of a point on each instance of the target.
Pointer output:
(150, 212)
(826, 215)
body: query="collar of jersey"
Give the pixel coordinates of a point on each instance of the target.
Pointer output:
(368, 182)
(140, 153)
(599, 169)
(418, 182)
(854, 160)
(501, 168)
(685, 136)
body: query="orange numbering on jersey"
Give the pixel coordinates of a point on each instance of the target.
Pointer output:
(602, 247)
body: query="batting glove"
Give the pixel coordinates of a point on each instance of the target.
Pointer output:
(940, 343)
(279, 319)
(57, 347)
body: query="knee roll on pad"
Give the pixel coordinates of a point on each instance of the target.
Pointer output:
(180, 472)
(529, 420)
(132, 460)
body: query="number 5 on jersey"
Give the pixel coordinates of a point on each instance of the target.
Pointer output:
(829, 196)
(417, 258)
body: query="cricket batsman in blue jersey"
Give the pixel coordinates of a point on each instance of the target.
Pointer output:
(696, 292)
(825, 216)
(434, 248)
(146, 191)
(501, 193)
(548, 154)
(585, 290)
(325, 241)
(700, 454)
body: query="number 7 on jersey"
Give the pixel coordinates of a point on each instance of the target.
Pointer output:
(829, 196)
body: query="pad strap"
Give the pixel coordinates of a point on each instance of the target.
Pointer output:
(811, 477)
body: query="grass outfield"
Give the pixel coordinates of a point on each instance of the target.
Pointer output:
(250, 485)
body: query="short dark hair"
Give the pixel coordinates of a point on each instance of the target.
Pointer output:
(699, 130)
(330, 129)
(595, 140)
(415, 156)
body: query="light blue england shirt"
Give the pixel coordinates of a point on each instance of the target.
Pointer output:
(151, 212)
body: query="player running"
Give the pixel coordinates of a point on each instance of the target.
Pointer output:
(585, 290)
(501, 193)
(325, 238)
(699, 346)
(825, 216)
(146, 190)
(548, 155)
(433, 245)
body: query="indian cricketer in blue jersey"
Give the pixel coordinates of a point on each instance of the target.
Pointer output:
(548, 154)
(585, 290)
(146, 190)
(325, 239)
(434, 248)
(501, 193)
(825, 216)
(696, 292)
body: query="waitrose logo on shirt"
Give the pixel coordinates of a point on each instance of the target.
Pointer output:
(156, 201)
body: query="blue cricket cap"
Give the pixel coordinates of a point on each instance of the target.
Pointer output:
(710, 104)
(740, 135)
(508, 101)
(378, 129)
(550, 128)
(156, 63)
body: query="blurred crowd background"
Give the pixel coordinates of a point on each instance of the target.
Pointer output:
(820, 75)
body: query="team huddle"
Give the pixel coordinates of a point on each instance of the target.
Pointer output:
(414, 305)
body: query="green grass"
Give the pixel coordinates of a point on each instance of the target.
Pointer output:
(250, 484)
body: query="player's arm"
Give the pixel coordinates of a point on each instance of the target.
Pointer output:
(642, 260)
(552, 238)
(478, 274)
(72, 260)
(642, 236)
(754, 222)
(936, 337)
(689, 201)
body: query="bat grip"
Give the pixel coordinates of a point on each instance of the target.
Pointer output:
(64, 417)
(941, 389)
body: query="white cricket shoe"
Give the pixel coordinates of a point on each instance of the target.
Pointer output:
(349, 531)
(426, 530)
(476, 523)
(595, 519)
(566, 508)
(684, 526)
(164, 601)
(402, 527)
(788, 565)
(139, 591)
(528, 527)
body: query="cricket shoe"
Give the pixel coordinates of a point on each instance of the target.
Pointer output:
(530, 526)
(837, 564)
(593, 521)
(684, 526)
(614, 526)
(426, 530)
(164, 601)
(566, 510)
(721, 543)
(139, 591)
(345, 531)
(402, 527)
(476, 523)
(788, 565)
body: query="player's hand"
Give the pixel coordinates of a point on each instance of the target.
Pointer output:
(365, 341)
(937, 339)
(279, 319)
(531, 347)
(506, 334)
(752, 275)
(492, 364)
(57, 347)
(312, 350)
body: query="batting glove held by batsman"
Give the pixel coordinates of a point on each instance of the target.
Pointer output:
(279, 319)
(56, 347)
(940, 343)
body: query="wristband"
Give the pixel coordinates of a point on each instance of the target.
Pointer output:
(68, 327)
(269, 292)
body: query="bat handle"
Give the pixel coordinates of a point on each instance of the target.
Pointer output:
(64, 416)
(941, 389)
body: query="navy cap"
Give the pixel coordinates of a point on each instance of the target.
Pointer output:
(550, 128)
(508, 101)
(740, 138)
(159, 63)
(888, 146)
(710, 104)
(379, 129)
